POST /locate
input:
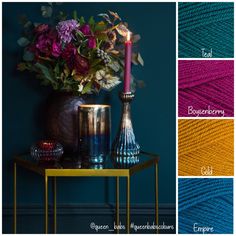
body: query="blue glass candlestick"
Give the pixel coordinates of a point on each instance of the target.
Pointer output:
(125, 149)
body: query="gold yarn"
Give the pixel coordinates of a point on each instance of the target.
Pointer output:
(206, 147)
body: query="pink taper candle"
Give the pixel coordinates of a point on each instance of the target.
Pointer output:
(128, 56)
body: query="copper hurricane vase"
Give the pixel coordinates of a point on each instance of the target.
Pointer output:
(94, 133)
(125, 149)
(62, 119)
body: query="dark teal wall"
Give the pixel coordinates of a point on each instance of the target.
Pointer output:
(153, 110)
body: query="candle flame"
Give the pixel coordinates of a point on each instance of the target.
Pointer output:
(128, 36)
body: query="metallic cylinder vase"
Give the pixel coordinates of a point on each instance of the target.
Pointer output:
(125, 149)
(94, 132)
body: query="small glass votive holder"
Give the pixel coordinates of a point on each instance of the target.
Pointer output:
(94, 132)
(46, 151)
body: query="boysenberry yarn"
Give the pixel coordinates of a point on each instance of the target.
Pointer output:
(206, 88)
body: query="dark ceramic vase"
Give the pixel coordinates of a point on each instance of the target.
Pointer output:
(62, 119)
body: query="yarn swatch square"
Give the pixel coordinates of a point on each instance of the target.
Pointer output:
(206, 147)
(205, 206)
(206, 88)
(206, 29)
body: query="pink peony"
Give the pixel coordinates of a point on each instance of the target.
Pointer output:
(43, 44)
(47, 44)
(85, 29)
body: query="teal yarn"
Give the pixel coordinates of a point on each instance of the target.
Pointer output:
(208, 25)
(207, 202)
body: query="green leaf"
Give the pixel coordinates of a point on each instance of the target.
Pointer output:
(100, 26)
(87, 87)
(140, 59)
(95, 62)
(70, 82)
(61, 16)
(137, 59)
(136, 38)
(57, 69)
(45, 58)
(79, 34)
(106, 17)
(109, 83)
(74, 14)
(114, 66)
(28, 56)
(23, 41)
(22, 66)
(46, 11)
(36, 24)
(102, 36)
(45, 71)
(81, 21)
(134, 59)
(91, 21)
(27, 24)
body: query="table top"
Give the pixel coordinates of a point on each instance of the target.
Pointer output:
(71, 167)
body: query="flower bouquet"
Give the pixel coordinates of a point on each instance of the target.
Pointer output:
(76, 55)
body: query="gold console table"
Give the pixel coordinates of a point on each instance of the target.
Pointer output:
(69, 169)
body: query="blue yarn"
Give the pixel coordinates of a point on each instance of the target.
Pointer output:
(206, 25)
(207, 202)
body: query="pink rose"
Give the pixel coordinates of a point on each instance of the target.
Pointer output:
(92, 42)
(56, 49)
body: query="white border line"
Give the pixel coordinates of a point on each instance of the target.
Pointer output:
(1, 120)
(206, 59)
(150, 1)
(234, 181)
(176, 118)
(206, 177)
(207, 118)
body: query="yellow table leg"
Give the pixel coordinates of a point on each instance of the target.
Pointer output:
(55, 204)
(46, 203)
(156, 194)
(117, 204)
(14, 207)
(128, 205)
